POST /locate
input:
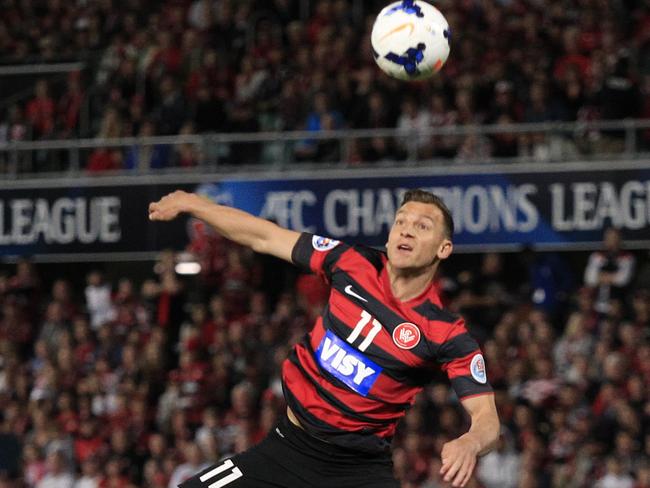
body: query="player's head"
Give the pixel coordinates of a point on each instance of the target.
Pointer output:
(422, 232)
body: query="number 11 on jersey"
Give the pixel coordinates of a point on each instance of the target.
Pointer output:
(363, 321)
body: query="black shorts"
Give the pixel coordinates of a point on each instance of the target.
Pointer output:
(290, 458)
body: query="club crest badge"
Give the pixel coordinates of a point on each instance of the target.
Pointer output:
(406, 335)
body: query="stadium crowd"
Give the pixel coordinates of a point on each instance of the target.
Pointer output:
(132, 384)
(185, 67)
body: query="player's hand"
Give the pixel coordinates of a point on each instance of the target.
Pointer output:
(458, 460)
(169, 206)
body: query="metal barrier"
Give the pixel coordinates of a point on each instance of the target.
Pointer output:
(228, 152)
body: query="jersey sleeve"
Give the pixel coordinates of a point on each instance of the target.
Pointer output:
(318, 254)
(463, 362)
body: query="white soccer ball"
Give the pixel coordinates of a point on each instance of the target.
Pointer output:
(410, 40)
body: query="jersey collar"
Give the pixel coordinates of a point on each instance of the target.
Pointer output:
(428, 293)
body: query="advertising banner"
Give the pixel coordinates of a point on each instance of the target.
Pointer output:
(86, 220)
(567, 209)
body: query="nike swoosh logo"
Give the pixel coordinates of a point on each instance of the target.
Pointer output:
(408, 25)
(349, 291)
(279, 433)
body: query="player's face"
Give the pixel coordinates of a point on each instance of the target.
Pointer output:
(417, 238)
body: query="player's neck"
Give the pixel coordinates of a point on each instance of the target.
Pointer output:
(408, 284)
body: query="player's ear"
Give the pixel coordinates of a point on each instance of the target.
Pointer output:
(445, 249)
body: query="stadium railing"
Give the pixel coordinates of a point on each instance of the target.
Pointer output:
(533, 142)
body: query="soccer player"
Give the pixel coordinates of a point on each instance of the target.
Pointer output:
(351, 379)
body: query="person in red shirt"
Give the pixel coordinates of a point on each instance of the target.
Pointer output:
(373, 348)
(89, 442)
(41, 110)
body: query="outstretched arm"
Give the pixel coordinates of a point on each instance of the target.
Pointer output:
(238, 226)
(459, 456)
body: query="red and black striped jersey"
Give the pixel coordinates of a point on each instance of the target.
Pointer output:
(356, 373)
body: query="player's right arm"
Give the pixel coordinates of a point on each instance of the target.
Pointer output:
(238, 226)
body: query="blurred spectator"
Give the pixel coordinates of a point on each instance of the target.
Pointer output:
(17, 128)
(166, 61)
(193, 464)
(504, 103)
(208, 111)
(550, 278)
(243, 119)
(57, 474)
(172, 110)
(321, 118)
(10, 450)
(69, 106)
(539, 107)
(34, 467)
(609, 271)
(90, 474)
(41, 111)
(89, 443)
(98, 300)
(201, 14)
(136, 116)
(573, 95)
(575, 342)
(142, 157)
(124, 82)
(572, 55)
(614, 476)
(54, 326)
(249, 79)
(186, 155)
(504, 144)
(411, 121)
(441, 116)
(104, 159)
(484, 295)
(500, 468)
(374, 110)
(620, 93)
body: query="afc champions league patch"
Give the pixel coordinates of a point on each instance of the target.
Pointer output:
(477, 368)
(406, 335)
(324, 243)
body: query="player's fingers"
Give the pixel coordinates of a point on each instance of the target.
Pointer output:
(445, 458)
(461, 476)
(451, 473)
(458, 477)
(446, 464)
(160, 212)
(468, 474)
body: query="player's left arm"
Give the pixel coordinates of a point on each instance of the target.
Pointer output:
(459, 456)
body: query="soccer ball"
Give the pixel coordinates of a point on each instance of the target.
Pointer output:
(410, 40)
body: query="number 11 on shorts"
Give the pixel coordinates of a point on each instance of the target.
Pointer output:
(235, 473)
